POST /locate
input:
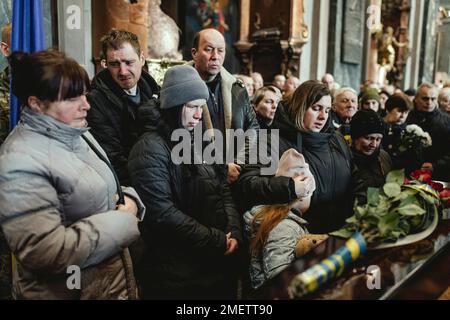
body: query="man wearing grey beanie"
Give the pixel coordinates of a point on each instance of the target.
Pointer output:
(228, 102)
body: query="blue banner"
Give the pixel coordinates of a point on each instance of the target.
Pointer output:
(28, 36)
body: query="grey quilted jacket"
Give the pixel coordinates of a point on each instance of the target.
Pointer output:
(279, 250)
(57, 209)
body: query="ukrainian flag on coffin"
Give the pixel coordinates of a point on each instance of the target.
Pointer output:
(311, 279)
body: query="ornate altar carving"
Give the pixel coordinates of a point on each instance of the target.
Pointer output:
(391, 44)
(158, 67)
(286, 33)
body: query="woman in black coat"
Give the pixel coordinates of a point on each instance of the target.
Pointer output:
(192, 229)
(304, 124)
(373, 163)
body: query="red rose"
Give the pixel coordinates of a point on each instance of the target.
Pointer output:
(445, 193)
(436, 186)
(422, 175)
(445, 197)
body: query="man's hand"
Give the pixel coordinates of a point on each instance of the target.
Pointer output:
(234, 171)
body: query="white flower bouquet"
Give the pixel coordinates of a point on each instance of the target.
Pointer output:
(414, 138)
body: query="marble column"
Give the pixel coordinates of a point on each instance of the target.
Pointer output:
(75, 32)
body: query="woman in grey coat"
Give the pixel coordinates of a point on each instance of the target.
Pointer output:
(58, 193)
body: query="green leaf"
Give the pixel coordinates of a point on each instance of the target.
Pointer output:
(396, 176)
(408, 200)
(404, 194)
(360, 211)
(373, 197)
(342, 233)
(353, 220)
(410, 210)
(392, 189)
(388, 223)
(404, 226)
(397, 234)
(428, 198)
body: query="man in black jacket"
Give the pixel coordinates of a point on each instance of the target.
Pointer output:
(117, 93)
(228, 103)
(432, 120)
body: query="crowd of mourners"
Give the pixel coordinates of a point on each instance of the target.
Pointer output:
(88, 180)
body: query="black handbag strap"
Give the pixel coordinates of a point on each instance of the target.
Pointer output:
(105, 160)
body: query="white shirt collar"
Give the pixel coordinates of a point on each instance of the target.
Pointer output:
(132, 91)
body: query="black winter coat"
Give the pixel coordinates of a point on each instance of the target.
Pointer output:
(372, 171)
(189, 212)
(437, 124)
(112, 118)
(330, 162)
(409, 160)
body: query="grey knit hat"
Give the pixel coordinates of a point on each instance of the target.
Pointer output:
(182, 84)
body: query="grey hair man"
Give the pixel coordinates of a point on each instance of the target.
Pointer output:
(328, 79)
(431, 119)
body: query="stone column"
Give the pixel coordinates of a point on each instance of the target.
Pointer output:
(374, 26)
(413, 64)
(313, 64)
(75, 32)
(403, 52)
(299, 35)
(243, 45)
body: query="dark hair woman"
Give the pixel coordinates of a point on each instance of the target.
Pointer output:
(58, 192)
(192, 229)
(304, 124)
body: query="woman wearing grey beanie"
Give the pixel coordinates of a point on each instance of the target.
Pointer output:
(192, 228)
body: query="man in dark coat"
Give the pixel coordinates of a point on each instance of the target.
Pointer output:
(432, 120)
(117, 93)
(228, 103)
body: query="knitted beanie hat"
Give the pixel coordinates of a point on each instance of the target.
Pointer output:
(292, 162)
(182, 84)
(365, 122)
(370, 94)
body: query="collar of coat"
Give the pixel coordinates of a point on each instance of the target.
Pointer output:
(104, 82)
(226, 85)
(52, 128)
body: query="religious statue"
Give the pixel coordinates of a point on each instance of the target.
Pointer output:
(386, 50)
(163, 34)
(387, 54)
